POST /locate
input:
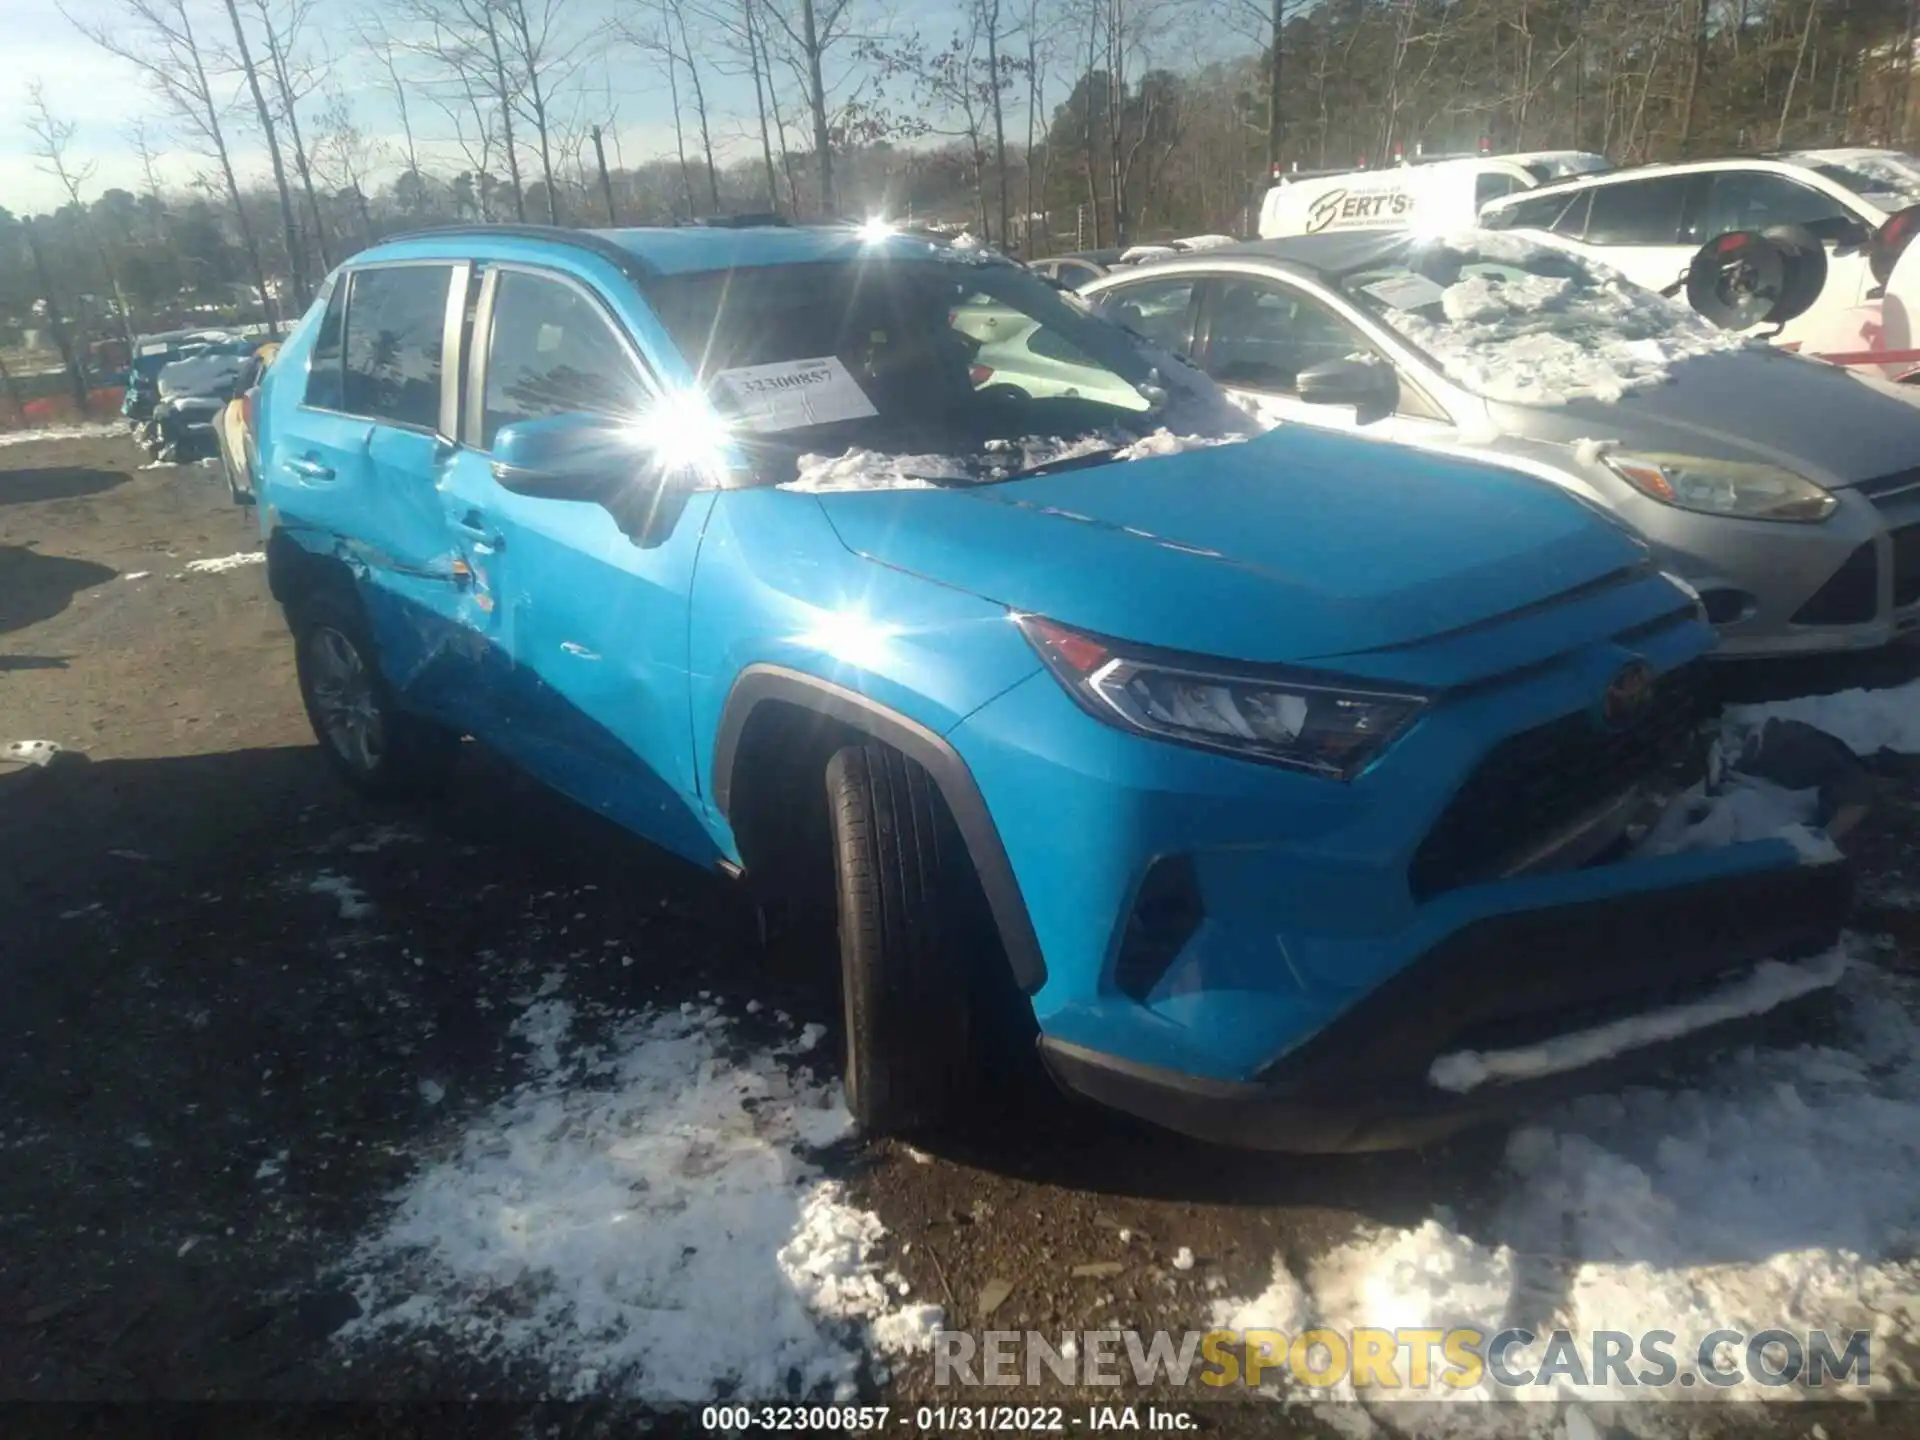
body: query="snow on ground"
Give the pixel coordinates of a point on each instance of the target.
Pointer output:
(1868, 720)
(222, 563)
(644, 1216)
(351, 899)
(1777, 1191)
(1745, 808)
(60, 432)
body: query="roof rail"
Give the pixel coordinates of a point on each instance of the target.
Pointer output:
(752, 219)
(590, 241)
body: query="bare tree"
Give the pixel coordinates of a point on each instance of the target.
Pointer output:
(819, 27)
(661, 45)
(296, 259)
(465, 42)
(53, 136)
(159, 40)
(679, 12)
(541, 58)
(281, 32)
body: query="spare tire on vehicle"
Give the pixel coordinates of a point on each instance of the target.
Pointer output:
(1746, 278)
(1889, 242)
(1806, 270)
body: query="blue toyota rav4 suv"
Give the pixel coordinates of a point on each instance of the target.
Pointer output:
(1267, 768)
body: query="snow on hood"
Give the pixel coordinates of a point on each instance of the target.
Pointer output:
(643, 1217)
(873, 470)
(1888, 174)
(1561, 329)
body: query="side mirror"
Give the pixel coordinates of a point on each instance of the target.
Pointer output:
(568, 457)
(1369, 386)
(1844, 232)
(594, 459)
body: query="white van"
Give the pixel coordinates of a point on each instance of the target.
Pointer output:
(1439, 196)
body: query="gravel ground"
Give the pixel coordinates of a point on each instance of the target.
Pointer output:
(244, 1008)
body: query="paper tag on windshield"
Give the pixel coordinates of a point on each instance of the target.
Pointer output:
(793, 394)
(1405, 292)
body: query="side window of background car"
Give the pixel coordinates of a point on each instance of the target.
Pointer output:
(1638, 212)
(396, 321)
(1262, 336)
(1755, 199)
(1491, 187)
(1158, 310)
(553, 352)
(1543, 212)
(323, 364)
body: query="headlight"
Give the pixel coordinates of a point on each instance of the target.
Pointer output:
(1302, 722)
(1745, 489)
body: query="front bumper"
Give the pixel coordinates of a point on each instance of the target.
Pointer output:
(1849, 583)
(1510, 980)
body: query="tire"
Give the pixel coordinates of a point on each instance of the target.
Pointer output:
(902, 877)
(372, 743)
(1806, 259)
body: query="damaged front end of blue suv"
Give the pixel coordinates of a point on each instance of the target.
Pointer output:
(1299, 786)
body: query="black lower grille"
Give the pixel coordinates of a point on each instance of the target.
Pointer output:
(1540, 781)
(1906, 565)
(1851, 595)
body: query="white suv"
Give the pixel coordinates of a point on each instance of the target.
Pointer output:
(1648, 221)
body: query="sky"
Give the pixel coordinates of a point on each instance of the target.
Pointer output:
(104, 95)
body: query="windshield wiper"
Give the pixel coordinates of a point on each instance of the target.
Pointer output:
(1084, 461)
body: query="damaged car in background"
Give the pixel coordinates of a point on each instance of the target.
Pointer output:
(1289, 786)
(192, 394)
(1786, 492)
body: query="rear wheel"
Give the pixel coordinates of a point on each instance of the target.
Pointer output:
(903, 881)
(375, 746)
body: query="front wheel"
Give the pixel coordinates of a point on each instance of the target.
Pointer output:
(901, 874)
(369, 740)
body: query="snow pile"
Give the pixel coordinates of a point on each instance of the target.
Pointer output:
(222, 563)
(1560, 330)
(641, 1218)
(60, 432)
(1768, 986)
(1868, 720)
(351, 899)
(872, 470)
(1746, 808)
(1779, 1193)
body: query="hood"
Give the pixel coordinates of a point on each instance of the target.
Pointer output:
(1294, 546)
(202, 375)
(1759, 404)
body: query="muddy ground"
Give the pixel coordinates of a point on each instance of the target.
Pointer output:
(185, 1012)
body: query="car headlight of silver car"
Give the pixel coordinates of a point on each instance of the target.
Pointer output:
(1304, 722)
(1747, 490)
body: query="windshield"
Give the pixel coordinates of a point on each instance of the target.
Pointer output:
(1890, 181)
(1523, 324)
(903, 371)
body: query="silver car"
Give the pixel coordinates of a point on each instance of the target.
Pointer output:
(1786, 491)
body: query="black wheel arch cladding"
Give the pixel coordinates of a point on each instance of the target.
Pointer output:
(762, 684)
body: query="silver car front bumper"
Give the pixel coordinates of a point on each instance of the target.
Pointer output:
(1851, 582)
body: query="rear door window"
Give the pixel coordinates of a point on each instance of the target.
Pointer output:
(392, 349)
(1638, 212)
(1756, 199)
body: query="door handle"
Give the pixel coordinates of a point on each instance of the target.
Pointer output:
(310, 469)
(475, 528)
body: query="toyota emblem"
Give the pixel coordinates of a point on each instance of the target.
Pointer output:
(1627, 695)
